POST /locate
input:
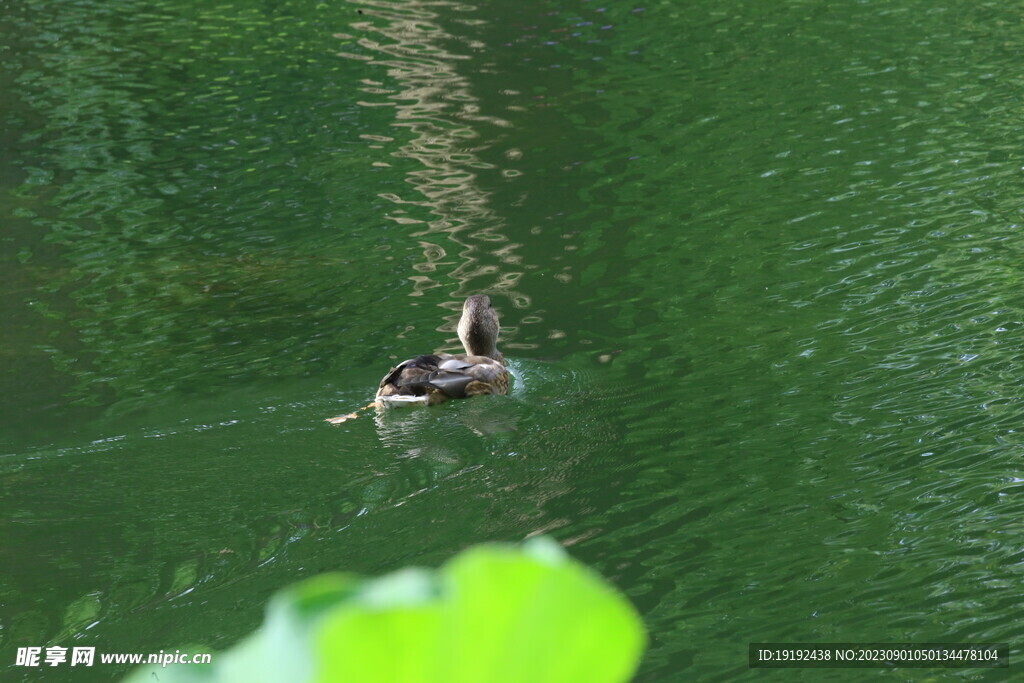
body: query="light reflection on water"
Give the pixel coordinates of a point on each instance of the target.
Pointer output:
(434, 103)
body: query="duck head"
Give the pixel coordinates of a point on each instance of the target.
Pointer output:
(478, 328)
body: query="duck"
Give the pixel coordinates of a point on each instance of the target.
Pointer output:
(438, 377)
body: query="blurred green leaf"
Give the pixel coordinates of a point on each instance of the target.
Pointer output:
(493, 613)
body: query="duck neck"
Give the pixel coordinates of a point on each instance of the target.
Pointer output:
(483, 350)
(477, 344)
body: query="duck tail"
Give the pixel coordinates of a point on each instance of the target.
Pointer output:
(402, 400)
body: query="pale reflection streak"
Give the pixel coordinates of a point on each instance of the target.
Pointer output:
(435, 103)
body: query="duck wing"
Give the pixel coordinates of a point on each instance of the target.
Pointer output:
(452, 376)
(408, 374)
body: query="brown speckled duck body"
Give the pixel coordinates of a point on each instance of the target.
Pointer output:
(435, 378)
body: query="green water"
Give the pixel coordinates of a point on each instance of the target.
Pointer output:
(758, 272)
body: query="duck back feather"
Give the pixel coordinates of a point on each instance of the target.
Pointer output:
(433, 378)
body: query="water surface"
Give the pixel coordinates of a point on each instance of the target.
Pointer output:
(757, 267)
